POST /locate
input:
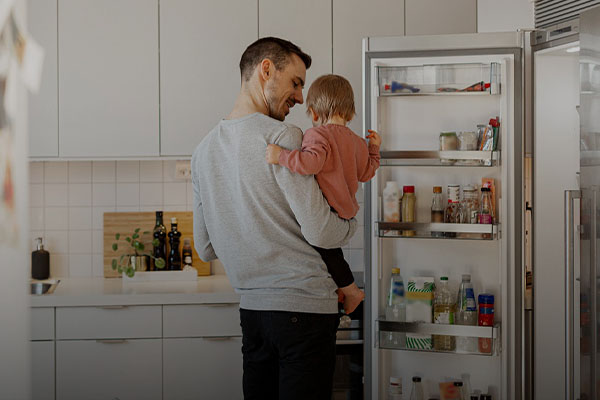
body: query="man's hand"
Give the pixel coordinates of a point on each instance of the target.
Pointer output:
(374, 138)
(273, 152)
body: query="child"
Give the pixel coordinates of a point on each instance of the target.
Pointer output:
(340, 159)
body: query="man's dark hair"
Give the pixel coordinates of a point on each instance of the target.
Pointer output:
(275, 49)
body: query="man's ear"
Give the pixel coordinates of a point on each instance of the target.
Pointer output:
(266, 69)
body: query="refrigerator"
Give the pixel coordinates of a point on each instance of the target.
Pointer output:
(418, 87)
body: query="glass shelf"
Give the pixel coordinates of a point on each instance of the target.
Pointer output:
(440, 158)
(441, 79)
(384, 328)
(428, 230)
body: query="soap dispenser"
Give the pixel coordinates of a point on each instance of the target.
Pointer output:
(40, 262)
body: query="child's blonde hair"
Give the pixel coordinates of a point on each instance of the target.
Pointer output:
(331, 95)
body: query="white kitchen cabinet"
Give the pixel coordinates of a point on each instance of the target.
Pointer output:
(306, 23)
(109, 369)
(42, 108)
(108, 78)
(434, 17)
(193, 320)
(42, 370)
(42, 323)
(110, 322)
(203, 368)
(199, 66)
(354, 20)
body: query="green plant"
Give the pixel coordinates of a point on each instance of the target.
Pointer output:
(134, 242)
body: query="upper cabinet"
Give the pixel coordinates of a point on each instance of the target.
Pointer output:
(354, 20)
(108, 78)
(201, 43)
(43, 106)
(434, 17)
(307, 23)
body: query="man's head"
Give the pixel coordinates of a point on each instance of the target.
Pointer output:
(328, 96)
(279, 66)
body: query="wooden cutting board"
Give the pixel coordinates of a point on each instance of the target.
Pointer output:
(126, 222)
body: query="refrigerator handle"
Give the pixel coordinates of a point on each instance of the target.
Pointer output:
(570, 195)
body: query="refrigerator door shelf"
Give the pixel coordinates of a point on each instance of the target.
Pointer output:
(483, 332)
(430, 230)
(440, 158)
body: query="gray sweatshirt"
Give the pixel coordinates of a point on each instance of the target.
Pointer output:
(259, 219)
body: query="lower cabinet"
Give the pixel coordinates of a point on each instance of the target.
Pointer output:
(109, 369)
(203, 368)
(42, 370)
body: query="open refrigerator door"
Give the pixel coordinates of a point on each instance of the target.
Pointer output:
(449, 116)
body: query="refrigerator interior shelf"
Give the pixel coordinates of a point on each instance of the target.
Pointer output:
(440, 158)
(439, 79)
(349, 341)
(424, 230)
(384, 328)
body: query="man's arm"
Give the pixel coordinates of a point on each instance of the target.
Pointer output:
(201, 239)
(320, 226)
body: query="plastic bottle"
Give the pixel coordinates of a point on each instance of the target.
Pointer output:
(443, 313)
(395, 309)
(416, 392)
(466, 314)
(459, 389)
(485, 318)
(395, 389)
(409, 202)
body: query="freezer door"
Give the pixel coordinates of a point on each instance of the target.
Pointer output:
(589, 115)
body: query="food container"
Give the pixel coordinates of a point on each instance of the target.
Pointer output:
(448, 141)
(467, 141)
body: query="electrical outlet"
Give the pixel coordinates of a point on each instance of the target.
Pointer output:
(183, 170)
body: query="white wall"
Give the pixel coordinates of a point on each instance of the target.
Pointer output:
(504, 15)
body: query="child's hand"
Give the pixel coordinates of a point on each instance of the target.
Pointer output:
(374, 138)
(273, 152)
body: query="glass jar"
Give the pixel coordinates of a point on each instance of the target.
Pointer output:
(448, 141)
(409, 202)
(453, 213)
(467, 141)
(470, 204)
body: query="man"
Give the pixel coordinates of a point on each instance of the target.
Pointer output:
(260, 220)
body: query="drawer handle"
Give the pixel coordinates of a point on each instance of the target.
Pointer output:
(219, 304)
(219, 338)
(112, 341)
(113, 307)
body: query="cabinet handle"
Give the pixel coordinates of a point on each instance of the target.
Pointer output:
(219, 338)
(113, 307)
(112, 341)
(219, 304)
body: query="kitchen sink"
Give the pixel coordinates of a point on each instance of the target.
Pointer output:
(40, 288)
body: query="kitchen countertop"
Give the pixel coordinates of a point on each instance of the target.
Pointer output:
(72, 292)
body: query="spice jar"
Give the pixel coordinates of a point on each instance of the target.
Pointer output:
(448, 141)
(470, 204)
(409, 202)
(467, 141)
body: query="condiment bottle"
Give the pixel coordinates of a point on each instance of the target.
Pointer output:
(186, 252)
(409, 201)
(391, 204)
(486, 318)
(437, 209)
(416, 392)
(159, 233)
(174, 256)
(40, 262)
(453, 214)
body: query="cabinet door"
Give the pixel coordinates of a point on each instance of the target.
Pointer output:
(199, 66)
(306, 23)
(42, 370)
(109, 369)
(434, 17)
(43, 106)
(352, 21)
(203, 368)
(108, 78)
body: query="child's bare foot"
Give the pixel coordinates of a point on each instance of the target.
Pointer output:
(352, 297)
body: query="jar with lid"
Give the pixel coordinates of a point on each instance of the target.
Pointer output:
(437, 209)
(467, 141)
(470, 204)
(409, 202)
(453, 212)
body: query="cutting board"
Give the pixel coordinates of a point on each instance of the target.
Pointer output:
(126, 222)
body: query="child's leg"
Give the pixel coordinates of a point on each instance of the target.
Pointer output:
(342, 276)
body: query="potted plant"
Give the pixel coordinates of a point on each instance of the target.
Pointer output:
(136, 258)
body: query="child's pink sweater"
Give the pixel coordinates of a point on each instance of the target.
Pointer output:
(340, 159)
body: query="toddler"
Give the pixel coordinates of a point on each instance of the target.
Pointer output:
(340, 159)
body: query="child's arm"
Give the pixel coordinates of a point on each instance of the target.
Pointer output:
(309, 160)
(373, 160)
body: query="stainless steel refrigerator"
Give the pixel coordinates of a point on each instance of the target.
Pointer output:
(414, 89)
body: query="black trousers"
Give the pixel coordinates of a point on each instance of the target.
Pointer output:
(337, 266)
(288, 355)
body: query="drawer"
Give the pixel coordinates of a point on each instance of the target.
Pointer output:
(201, 320)
(109, 369)
(42, 323)
(119, 322)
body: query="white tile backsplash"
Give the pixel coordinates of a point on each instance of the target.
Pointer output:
(80, 194)
(68, 201)
(104, 171)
